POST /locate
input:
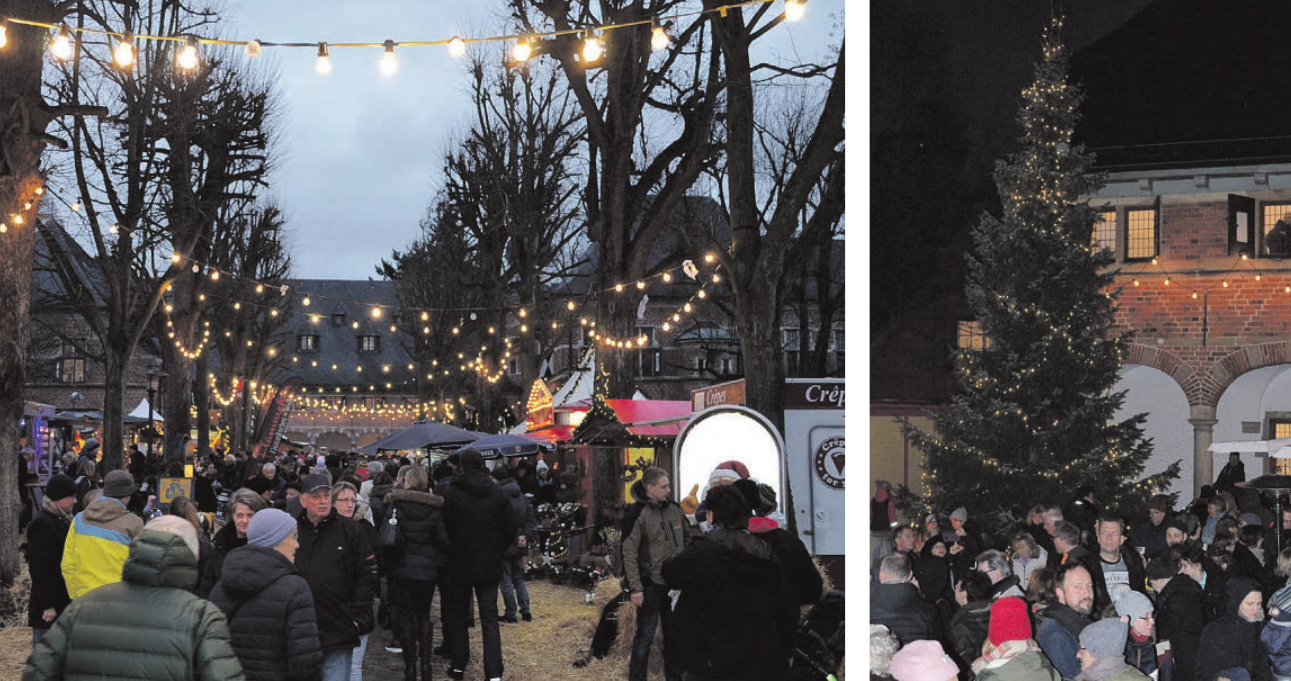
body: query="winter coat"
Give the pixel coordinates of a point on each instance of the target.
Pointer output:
(1111, 669)
(1029, 665)
(658, 534)
(803, 580)
(727, 617)
(522, 516)
(46, 536)
(1232, 641)
(1142, 655)
(222, 543)
(271, 615)
(426, 545)
(340, 566)
(969, 628)
(146, 626)
(905, 613)
(377, 501)
(1150, 537)
(1181, 615)
(1058, 636)
(1276, 637)
(478, 517)
(97, 545)
(1023, 571)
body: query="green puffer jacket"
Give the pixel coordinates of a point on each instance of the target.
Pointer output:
(147, 626)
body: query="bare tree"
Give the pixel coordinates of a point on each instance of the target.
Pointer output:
(649, 124)
(765, 226)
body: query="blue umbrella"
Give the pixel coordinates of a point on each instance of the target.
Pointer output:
(506, 444)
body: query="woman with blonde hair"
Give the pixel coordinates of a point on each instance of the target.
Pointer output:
(349, 504)
(238, 511)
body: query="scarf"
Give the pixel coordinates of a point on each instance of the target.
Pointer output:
(1003, 653)
(48, 504)
(1103, 669)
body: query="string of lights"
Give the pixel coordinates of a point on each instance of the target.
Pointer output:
(188, 56)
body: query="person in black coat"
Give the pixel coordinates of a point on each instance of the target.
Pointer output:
(727, 617)
(895, 603)
(268, 604)
(413, 569)
(515, 592)
(478, 516)
(339, 563)
(45, 538)
(1233, 641)
(1180, 611)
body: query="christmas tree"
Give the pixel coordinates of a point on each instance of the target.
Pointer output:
(1034, 416)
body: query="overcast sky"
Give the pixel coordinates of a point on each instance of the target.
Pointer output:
(359, 154)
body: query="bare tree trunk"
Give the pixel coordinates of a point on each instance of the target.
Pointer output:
(24, 116)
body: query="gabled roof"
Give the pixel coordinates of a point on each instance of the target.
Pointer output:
(47, 288)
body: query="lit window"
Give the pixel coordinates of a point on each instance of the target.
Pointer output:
(969, 336)
(1277, 230)
(368, 344)
(1105, 231)
(1140, 233)
(307, 343)
(71, 365)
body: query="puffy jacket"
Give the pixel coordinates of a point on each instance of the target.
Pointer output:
(426, 544)
(97, 545)
(902, 610)
(1030, 665)
(1232, 641)
(1181, 615)
(337, 560)
(478, 517)
(224, 541)
(969, 628)
(271, 615)
(726, 620)
(658, 534)
(1142, 655)
(146, 626)
(1276, 637)
(46, 536)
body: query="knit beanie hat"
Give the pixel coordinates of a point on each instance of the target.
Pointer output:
(59, 487)
(922, 660)
(1133, 604)
(1009, 621)
(1280, 604)
(90, 445)
(960, 514)
(1105, 638)
(118, 484)
(268, 527)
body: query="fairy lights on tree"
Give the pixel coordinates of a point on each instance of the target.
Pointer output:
(1034, 416)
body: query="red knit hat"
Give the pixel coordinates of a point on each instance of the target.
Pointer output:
(1009, 621)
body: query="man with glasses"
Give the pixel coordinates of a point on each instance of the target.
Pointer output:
(339, 563)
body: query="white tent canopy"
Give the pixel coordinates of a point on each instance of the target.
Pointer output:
(1278, 449)
(141, 412)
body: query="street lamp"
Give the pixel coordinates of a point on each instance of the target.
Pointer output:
(154, 376)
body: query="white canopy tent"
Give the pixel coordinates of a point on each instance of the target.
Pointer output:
(141, 412)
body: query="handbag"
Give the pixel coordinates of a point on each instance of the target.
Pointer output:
(390, 536)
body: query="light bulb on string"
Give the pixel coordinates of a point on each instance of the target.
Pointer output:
(592, 49)
(659, 39)
(794, 10)
(188, 59)
(523, 50)
(61, 45)
(456, 47)
(389, 62)
(123, 54)
(323, 66)
(4, 34)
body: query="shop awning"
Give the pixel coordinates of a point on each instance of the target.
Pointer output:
(652, 418)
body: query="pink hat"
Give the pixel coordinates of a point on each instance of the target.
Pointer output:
(923, 661)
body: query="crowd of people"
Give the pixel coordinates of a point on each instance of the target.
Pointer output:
(302, 548)
(1080, 593)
